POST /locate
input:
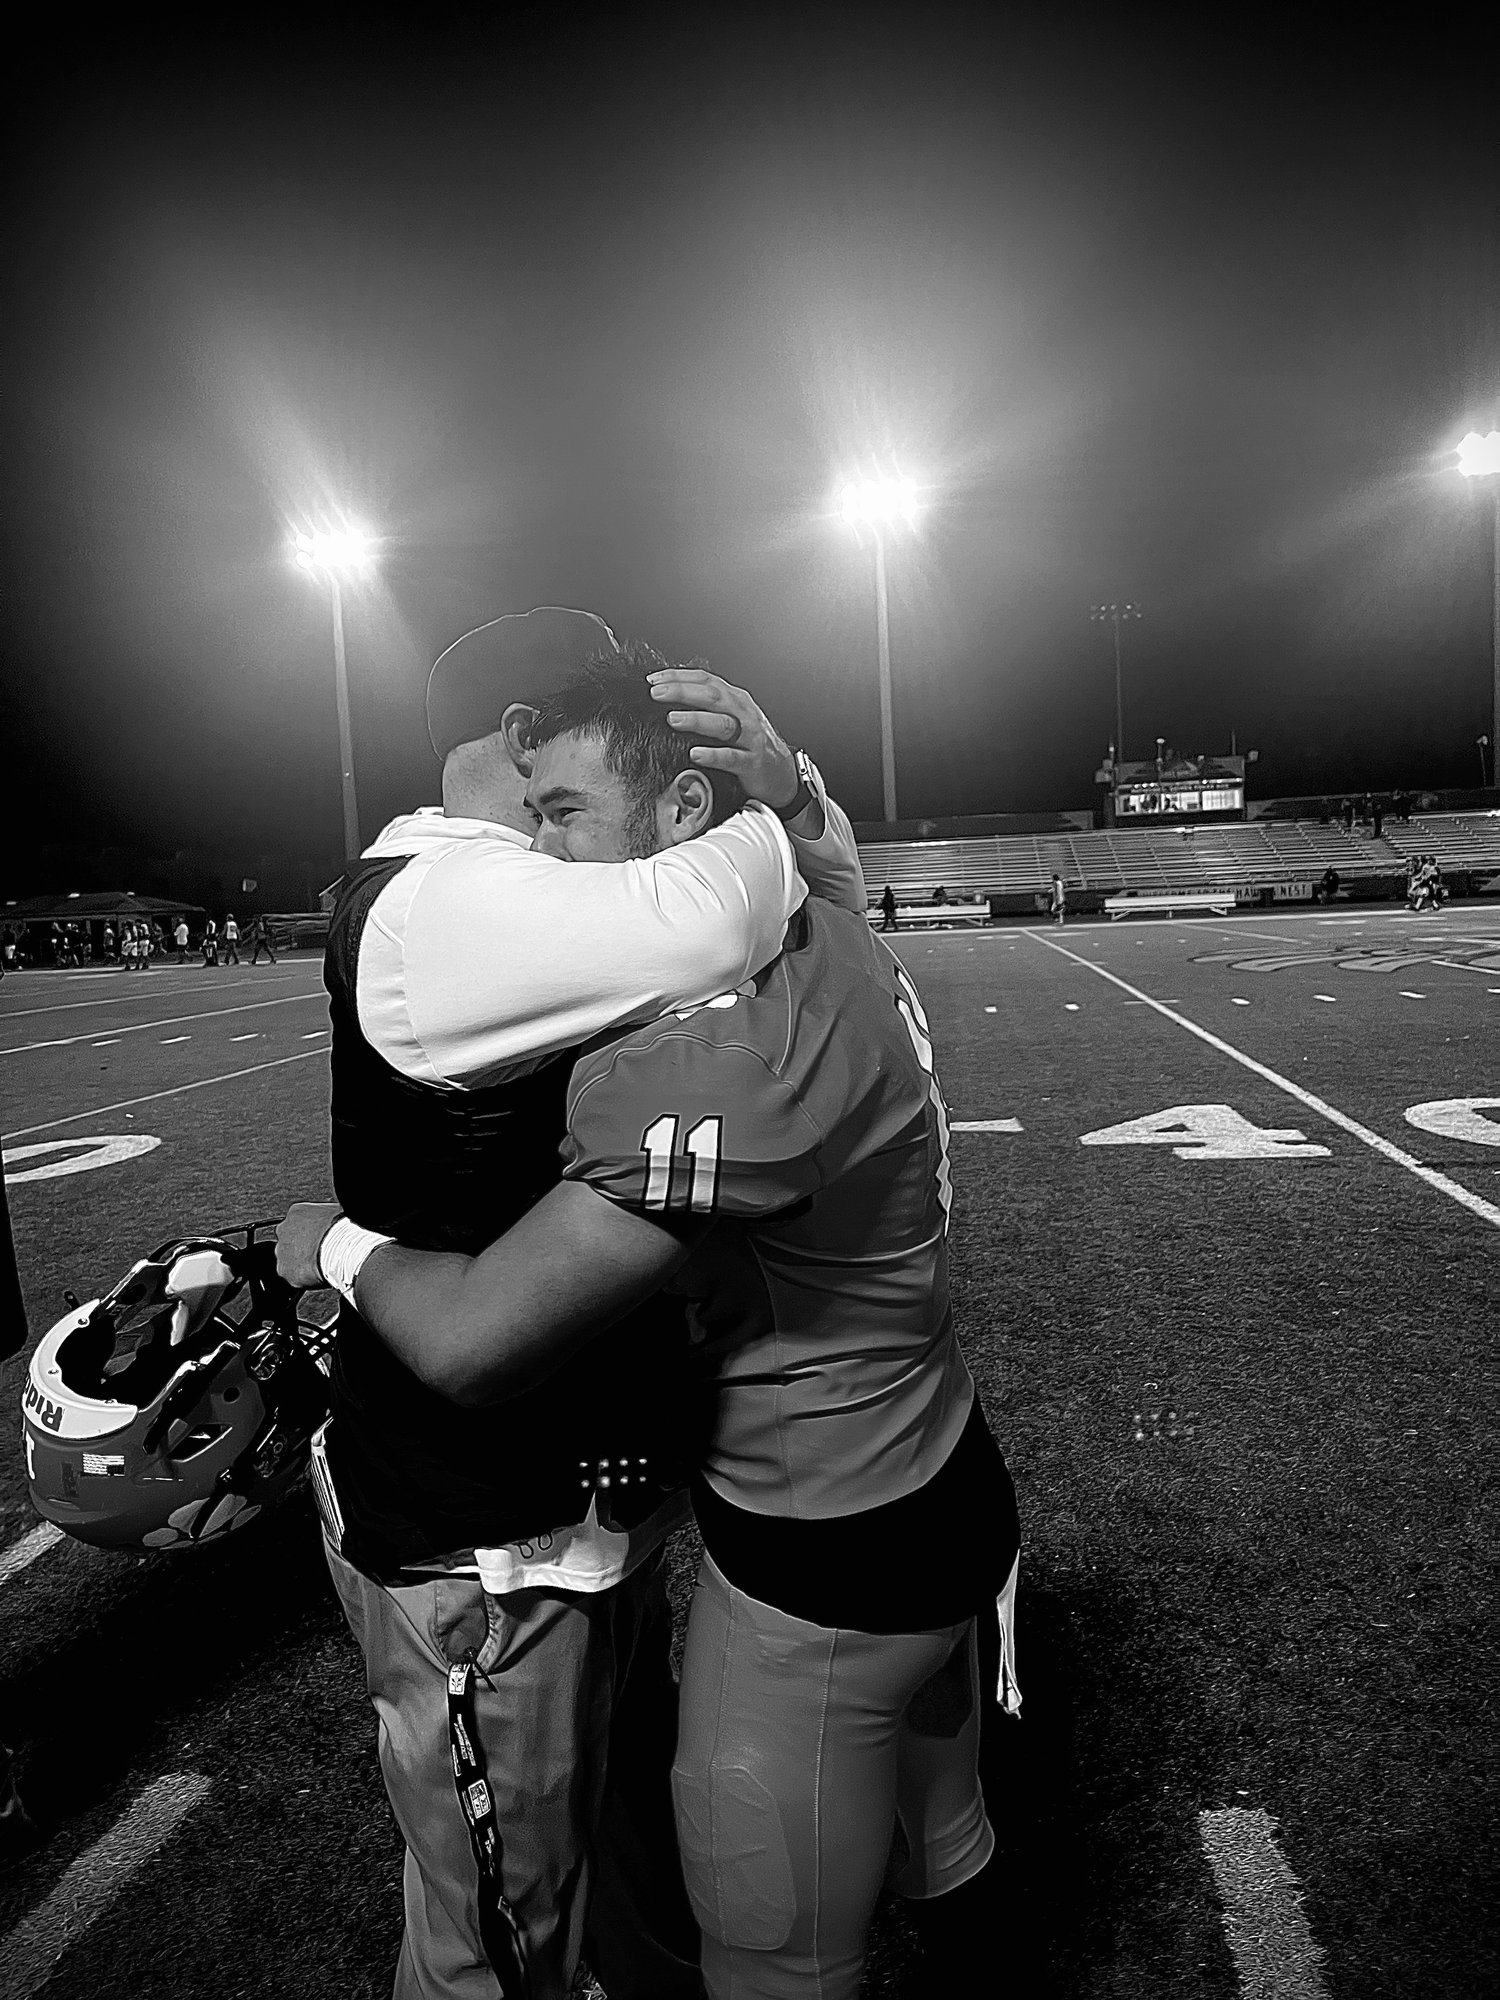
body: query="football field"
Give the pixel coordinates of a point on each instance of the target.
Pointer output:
(1226, 1251)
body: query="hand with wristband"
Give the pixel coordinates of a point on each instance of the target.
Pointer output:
(317, 1244)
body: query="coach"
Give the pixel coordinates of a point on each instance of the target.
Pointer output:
(501, 1569)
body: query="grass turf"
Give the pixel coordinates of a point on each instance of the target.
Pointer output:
(1244, 1403)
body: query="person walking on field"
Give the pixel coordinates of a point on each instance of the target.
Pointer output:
(1059, 898)
(888, 908)
(260, 940)
(231, 940)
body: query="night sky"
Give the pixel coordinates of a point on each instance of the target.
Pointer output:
(604, 318)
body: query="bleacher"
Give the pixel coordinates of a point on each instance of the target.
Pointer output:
(1242, 854)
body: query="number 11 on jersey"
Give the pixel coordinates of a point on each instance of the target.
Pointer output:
(686, 1180)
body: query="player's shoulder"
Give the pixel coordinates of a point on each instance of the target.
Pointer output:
(744, 1031)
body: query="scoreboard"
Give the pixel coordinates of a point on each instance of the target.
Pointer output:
(1173, 788)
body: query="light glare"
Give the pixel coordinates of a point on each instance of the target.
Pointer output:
(340, 551)
(880, 502)
(1479, 457)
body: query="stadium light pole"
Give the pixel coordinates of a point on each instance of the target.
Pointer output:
(1112, 614)
(1479, 458)
(335, 554)
(881, 505)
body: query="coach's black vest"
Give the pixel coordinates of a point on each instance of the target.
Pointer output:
(443, 1169)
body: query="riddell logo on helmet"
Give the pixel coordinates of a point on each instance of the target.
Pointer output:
(43, 1408)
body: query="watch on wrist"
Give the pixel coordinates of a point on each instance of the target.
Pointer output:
(804, 795)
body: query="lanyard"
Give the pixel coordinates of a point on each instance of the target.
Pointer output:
(499, 1932)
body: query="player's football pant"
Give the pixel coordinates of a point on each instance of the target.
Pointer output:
(801, 1749)
(576, 1720)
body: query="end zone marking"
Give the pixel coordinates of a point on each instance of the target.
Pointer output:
(1263, 1918)
(22, 1554)
(1485, 1210)
(29, 1956)
(984, 1125)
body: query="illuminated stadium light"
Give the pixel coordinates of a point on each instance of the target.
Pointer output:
(347, 551)
(883, 502)
(339, 554)
(1479, 457)
(880, 502)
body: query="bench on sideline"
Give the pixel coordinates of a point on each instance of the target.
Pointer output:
(913, 915)
(1170, 902)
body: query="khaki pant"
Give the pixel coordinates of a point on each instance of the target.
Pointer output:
(802, 1750)
(576, 1721)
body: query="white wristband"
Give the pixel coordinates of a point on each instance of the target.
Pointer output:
(343, 1251)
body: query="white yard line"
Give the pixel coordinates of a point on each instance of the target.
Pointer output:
(1267, 1928)
(984, 1125)
(135, 993)
(151, 1097)
(170, 1021)
(29, 1955)
(22, 1554)
(1485, 1210)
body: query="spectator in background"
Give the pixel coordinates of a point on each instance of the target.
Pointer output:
(156, 942)
(1059, 897)
(1330, 883)
(1377, 816)
(1348, 815)
(940, 894)
(180, 939)
(109, 943)
(9, 957)
(231, 940)
(888, 907)
(260, 938)
(210, 943)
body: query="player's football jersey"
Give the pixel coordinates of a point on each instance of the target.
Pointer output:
(803, 1113)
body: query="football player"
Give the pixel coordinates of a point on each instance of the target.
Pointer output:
(464, 971)
(780, 1156)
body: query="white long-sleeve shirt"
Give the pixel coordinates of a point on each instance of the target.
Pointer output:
(484, 957)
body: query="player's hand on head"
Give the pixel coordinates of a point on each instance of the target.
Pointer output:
(298, 1237)
(739, 736)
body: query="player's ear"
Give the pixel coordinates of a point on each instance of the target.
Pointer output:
(515, 729)
(687, 806)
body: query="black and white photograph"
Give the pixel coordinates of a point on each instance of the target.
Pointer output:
(593, 1412)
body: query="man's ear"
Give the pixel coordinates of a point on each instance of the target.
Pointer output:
(515, 729)
(686, 808)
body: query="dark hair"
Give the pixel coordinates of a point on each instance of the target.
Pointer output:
(608, 699)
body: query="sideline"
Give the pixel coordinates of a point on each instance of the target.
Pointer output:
(29, 1955)
(152, 1097)
(1264, 1921)
(170, 1021)
(1476, 1204)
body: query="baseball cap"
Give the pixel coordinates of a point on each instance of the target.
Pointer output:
(524, 656)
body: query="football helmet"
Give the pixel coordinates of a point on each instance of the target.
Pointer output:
(178, 1407)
